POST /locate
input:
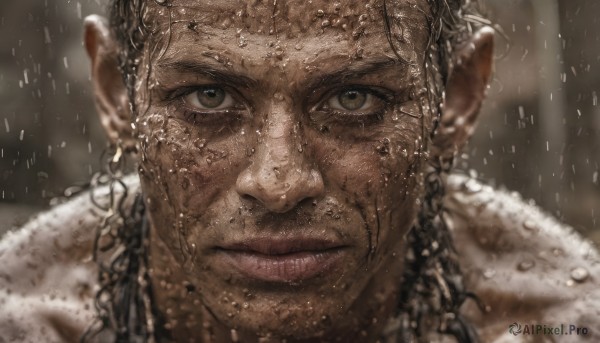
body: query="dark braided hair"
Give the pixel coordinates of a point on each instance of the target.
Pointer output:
(431, 291)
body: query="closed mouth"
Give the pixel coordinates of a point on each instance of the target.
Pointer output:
(282, 260)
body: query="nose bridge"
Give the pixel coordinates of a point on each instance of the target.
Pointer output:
(280, 175)
(276, 147)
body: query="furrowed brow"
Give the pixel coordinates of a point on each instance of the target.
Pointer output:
(207, 70)
(353, 71)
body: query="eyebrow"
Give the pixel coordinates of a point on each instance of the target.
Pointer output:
(219, 74)
(207, 69)
(353, 71)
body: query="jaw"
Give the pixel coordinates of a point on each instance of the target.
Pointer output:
(190, 310)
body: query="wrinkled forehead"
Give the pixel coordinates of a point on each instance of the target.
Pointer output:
(348, 20)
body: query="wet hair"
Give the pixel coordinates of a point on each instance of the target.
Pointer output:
(431, 288)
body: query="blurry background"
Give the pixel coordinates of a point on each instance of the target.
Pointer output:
(539, 133)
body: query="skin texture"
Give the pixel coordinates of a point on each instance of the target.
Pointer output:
(45, 296)
(280, 162)
(305, 172)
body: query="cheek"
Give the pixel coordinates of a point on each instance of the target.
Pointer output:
(182, 172)
(379, 176)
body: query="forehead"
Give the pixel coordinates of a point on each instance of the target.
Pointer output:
(290, 17)
(294, 27)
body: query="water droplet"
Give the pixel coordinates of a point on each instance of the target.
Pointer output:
(489, 273)
(242, 42)
(530, 225)
(526, 265)
(580, 274)
(234, 336)
(472, 186)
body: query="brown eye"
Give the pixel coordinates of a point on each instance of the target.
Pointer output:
(352, 100)
(210, 98)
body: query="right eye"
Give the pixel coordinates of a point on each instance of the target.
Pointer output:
(210, 98)
(351, 100)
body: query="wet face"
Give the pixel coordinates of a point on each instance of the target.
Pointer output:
(280, 156)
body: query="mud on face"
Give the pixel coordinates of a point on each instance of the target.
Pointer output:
(261, 125)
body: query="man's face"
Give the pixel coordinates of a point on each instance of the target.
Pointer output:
(280, 153)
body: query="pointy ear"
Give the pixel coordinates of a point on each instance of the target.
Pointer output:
(112, 102)
(465, 91)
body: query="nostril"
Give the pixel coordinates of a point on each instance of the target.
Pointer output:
(278, 189)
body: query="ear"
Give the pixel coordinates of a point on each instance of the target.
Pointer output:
(465, 91)
(112, 102)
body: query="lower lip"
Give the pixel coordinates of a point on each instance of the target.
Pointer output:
(292, 267)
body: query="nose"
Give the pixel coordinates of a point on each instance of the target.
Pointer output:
(280, 175)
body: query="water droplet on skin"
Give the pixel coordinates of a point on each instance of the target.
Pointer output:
(489, 273)
(242, 42)
(580, 274)
(526, 265)
(234, 336)
(530, 225)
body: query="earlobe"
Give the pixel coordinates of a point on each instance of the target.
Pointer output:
(465, 91)
(112, 102)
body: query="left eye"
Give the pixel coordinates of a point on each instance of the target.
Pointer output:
(351, 100)
(210, 98)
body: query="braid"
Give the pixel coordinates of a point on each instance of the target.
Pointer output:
(124, 302)
(432, 290)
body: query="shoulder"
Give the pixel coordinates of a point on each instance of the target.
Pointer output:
(47, 276)
(524, 265)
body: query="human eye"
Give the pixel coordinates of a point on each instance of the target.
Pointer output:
(209, 98)
(354, 104)
(210, 104)
(351, 100)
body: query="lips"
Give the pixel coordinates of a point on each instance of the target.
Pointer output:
(282, 260)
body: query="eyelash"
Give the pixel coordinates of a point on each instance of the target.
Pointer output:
(320, 113)
(196, 116)
(324, 114)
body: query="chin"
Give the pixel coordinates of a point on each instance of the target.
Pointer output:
(309, 312)
(293, 322)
